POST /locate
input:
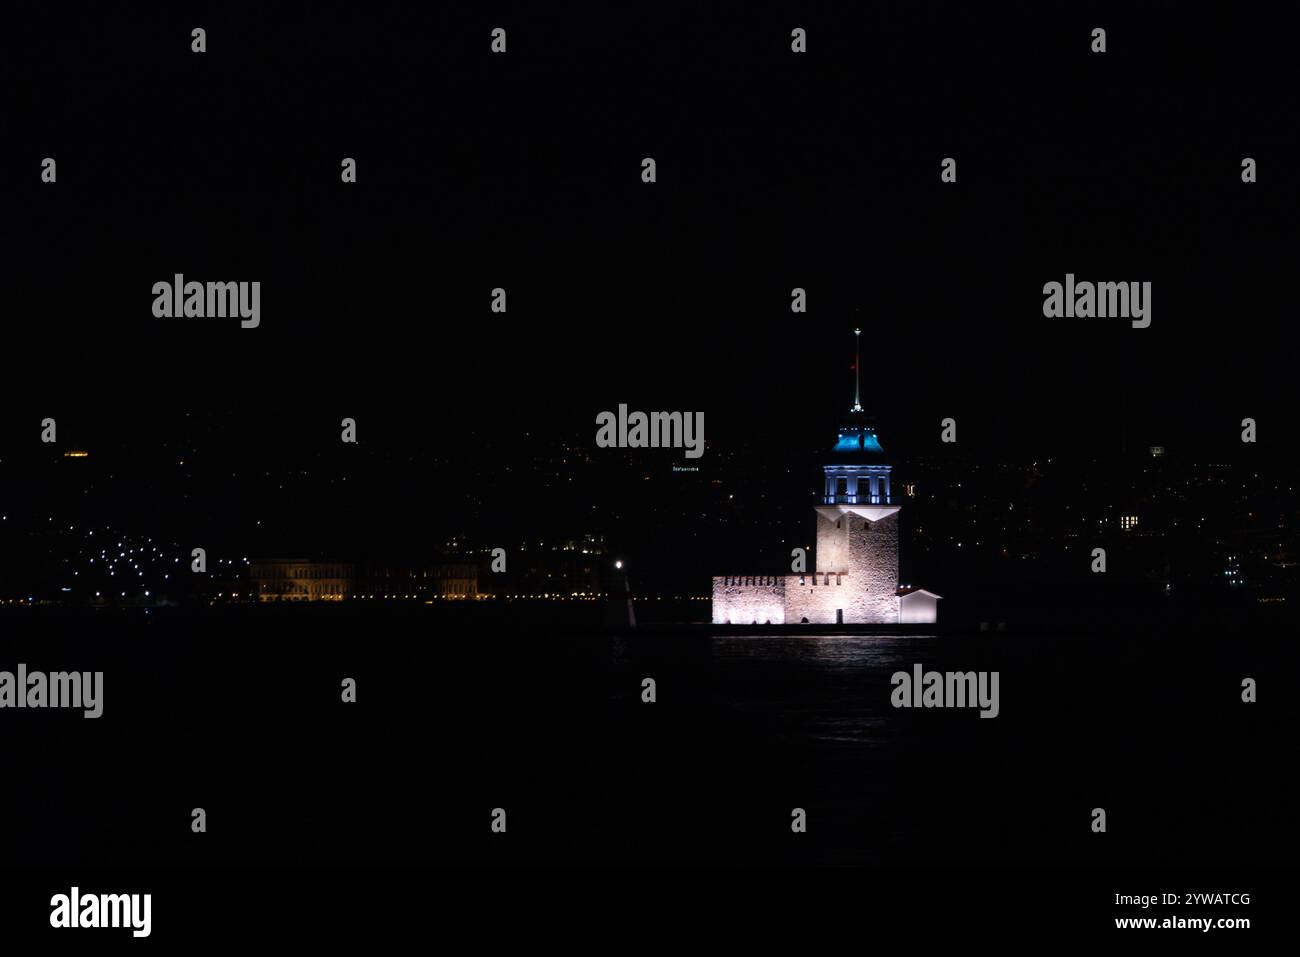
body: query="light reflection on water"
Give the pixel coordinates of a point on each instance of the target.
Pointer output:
(863, 651)
(829, 689)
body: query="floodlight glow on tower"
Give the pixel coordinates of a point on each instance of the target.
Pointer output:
(856, 577)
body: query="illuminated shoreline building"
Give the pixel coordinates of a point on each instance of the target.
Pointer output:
(856, 576)
(301, 580)
(304, 580)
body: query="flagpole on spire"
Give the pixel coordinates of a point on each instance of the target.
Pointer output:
(857, 399)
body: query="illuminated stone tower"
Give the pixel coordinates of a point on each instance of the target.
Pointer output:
(857, 522)
(855, 581)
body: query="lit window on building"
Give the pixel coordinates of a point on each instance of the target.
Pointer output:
(1128, 522)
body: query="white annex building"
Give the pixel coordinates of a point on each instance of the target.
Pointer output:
(856, 577)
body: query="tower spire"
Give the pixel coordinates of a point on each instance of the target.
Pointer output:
(857, 400)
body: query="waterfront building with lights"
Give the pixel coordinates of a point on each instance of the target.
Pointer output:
(855, 580)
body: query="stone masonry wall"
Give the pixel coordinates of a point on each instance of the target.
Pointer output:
(873, 569)
(749, 599)
(816, 596)
(857, 573)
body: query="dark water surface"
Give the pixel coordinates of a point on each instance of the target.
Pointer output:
(238, 711)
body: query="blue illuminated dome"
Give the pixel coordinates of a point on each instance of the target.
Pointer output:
(858, 438)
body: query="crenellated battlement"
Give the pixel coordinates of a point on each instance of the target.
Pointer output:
(808, 579)
(813, 579)
(748, 581)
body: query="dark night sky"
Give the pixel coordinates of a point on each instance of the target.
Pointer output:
(775, 171)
